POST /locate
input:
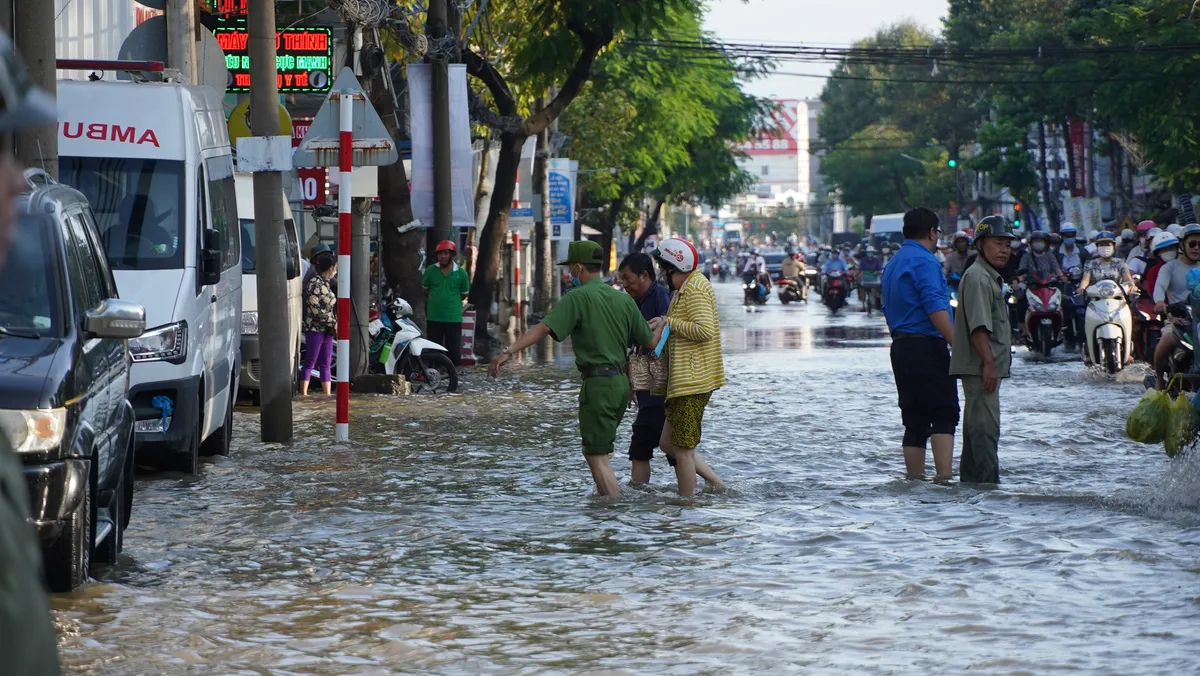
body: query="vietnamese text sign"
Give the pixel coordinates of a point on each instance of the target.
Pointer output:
(304, 57)
(312, 179)
(561, 200)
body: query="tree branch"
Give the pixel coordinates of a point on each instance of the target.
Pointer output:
(486, 73)
(592, 43)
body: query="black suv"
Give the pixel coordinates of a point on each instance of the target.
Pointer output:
(64, 380)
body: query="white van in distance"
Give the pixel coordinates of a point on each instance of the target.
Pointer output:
(153, 158)
(251, 380)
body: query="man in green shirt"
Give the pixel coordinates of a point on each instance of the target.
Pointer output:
(982, 350)
(602, 323)
(446, 287)
(27, 640)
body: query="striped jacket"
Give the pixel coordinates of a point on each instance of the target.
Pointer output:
(694, 357)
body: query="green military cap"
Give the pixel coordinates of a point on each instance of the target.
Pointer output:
(584, 252)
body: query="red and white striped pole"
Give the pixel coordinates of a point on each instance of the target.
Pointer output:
(345, 159)
(516, 283)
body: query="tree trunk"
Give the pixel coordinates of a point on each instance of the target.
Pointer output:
(541, 232)
(491, 240)
(399, 254)
(482, 189)
(1051, 199)
(1116, 173)
(1072, 170)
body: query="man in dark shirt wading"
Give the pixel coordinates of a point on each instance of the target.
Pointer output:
(916, 303)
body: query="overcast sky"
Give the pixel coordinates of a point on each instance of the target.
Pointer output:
(812, 22)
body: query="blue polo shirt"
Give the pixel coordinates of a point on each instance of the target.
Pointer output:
(914, 288)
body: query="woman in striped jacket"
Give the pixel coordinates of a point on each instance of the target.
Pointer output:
(695, 366)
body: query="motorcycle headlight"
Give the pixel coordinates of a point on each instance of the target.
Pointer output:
(954, 302)
(166, 343)
(1035, 303)
(249, 322)
(33, 431)
(1055, 303)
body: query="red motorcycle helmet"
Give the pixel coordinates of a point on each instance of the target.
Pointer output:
(446, 245)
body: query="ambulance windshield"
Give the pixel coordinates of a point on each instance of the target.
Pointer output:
(138, 205)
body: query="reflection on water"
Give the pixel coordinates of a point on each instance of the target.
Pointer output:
(455, 535)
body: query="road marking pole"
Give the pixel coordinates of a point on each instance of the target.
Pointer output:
(345, 162)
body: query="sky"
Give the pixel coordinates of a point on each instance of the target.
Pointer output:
(811, 22)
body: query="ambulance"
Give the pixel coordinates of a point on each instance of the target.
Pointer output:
(154, 160)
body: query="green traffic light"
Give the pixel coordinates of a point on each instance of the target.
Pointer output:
(1017, 223)
(952, 163)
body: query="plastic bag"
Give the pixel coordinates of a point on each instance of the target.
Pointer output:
(1147, 422)
(1181, 425)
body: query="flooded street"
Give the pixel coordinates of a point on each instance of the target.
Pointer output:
(457, 535)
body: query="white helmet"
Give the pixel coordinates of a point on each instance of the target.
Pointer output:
(677, 253)
(1163, 240)
(1153, 232)
(1174, 229)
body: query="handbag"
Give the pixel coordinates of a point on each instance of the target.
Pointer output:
(646, 373)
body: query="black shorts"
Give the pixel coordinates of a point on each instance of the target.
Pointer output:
(928, 393)
(449, 336)
(647, 430)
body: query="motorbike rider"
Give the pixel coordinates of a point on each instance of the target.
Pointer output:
(1163, 249)
(1106, 265)
(1171, 287)
(1126, 245)
(1142, 239)
(1039, 260)
(960, 251)
(835, 262)
(755, 265)
(791, 267)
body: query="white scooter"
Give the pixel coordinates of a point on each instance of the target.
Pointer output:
(397, 347)
(1108, 326)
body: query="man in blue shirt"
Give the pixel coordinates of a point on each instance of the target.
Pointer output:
(834, 263)
(916, 303)
(637, 275)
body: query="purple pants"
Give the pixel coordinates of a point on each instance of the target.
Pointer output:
(318, 352)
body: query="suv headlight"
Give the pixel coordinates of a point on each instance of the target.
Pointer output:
(33, 431)
(166, 343)
(250, 322)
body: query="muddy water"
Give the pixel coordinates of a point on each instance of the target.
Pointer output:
(456, 536)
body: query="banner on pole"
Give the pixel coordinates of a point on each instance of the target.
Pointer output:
(562, 200)
(420, 94)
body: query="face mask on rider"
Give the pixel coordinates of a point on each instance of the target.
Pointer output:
(1039, 246)
(1169, 255)
(1069, 241)
(1106, 251)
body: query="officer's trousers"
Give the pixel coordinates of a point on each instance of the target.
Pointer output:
(980, 461)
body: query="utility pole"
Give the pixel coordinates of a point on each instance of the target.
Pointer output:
(276, 353)
(541, 228)
(443, 204)
(34, 39)
(181, 37)
(360, 252)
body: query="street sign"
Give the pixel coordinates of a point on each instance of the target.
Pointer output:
(520, 219)
(372, 144)
(312, 179)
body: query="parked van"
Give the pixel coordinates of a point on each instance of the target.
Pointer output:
(887, 228)
(154, 160)
(251, 380)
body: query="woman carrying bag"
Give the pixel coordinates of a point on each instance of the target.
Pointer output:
(320, 323)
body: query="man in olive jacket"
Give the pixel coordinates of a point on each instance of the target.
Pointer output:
(982, 350)
(27, 641)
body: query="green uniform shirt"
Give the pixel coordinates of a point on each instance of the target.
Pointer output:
(27, 640)
(445, 293)
(981, 304)
(602, 323)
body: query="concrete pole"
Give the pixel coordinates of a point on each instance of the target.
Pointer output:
(276, 354)
(541, 228)
(443, 205)
(181, 37)
(360, 256)
(34, 38)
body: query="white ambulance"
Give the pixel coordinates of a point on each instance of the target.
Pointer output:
(154, 160)
(251, 379)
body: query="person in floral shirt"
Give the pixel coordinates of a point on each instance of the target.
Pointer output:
(320, 323)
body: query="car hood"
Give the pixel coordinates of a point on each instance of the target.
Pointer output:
(155, 290)
(29, 375)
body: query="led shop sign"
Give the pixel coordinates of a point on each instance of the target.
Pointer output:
(304, 58)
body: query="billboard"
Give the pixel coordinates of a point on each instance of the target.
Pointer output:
(304, 58)
(781, 138)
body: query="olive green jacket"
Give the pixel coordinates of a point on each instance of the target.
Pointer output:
(27, 641)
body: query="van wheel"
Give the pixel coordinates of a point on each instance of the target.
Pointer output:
(68, 560)
(187, 462)
(218, 443)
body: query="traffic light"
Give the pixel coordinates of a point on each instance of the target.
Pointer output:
(952, 163)
(1017, 215)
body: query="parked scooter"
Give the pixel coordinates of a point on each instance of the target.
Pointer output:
(1108, 327)
(1044, 320)
(837, 288)
(398, 348)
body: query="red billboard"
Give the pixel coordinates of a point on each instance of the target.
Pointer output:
(781, 138)
(312, 179)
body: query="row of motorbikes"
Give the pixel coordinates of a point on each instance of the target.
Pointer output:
(833, 289)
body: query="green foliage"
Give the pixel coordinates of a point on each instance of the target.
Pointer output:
(882, 169)
(1004, 156)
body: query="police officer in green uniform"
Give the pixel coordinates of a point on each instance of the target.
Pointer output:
(982, 350)
(602, 323)
(27, 640)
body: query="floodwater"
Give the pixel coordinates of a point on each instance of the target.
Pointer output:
(457, 535)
